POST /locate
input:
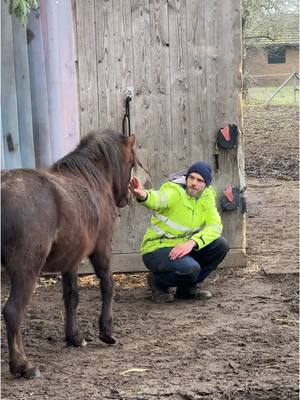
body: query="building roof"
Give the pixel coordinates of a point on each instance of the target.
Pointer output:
(276, 30)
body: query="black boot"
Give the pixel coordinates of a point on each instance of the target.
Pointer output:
(192, 292)
(158, 295)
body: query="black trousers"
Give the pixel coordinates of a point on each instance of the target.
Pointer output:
(188, 270)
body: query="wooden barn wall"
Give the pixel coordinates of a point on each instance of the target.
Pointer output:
(183, 59)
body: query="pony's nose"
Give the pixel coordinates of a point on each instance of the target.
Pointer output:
(123, 203)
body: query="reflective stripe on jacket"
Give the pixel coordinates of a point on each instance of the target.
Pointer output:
(179, 217)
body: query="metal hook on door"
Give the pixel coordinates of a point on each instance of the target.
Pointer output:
(129, 94)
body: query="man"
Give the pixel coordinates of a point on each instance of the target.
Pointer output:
(183, 243)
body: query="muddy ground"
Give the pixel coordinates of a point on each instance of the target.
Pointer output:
(240, 345)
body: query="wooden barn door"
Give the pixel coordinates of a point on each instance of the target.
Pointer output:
(182, 59)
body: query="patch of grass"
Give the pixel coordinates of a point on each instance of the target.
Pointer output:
(259, 95)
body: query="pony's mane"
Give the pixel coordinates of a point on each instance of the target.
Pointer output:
(98, 147)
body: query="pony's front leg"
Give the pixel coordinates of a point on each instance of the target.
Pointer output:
(71, 298)
(101, 265)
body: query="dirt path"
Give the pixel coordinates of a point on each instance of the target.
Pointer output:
(240, 345)
(272, 142)
(272, 228)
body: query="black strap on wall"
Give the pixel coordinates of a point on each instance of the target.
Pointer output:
(126, 117)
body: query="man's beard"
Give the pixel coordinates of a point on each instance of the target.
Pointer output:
(193, 192)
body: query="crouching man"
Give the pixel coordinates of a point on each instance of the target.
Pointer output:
(183, 243)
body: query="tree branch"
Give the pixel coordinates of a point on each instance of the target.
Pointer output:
(259, 37)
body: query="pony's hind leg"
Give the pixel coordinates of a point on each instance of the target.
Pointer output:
(71, 298)
(101, 265)
(13, 313)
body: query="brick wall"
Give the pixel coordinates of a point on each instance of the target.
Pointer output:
(258, 65)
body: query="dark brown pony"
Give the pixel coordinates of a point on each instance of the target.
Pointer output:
(53, 219)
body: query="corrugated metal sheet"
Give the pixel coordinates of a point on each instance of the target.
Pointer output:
(39, 88)
(9, 103)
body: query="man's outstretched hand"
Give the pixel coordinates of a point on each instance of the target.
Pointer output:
(137, 189)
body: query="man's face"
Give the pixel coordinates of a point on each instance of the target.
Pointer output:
(195, 185)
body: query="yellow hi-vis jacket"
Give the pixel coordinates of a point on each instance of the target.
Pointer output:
(179, 217)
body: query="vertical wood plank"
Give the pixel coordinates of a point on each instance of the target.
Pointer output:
(152, 99)
(23, 94)
(228, 94)
(141, 57)
(224, 80)
(123, 61)
(70, 110)
(106, 64)
(8, 92)
(87, 69)
(136, 53)
(229, 111)
(39, 91)
(197, 75)
(212, 59)
(179, 84)
(130, 217)
(161, 95)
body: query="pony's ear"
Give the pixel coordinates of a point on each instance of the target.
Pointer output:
(131, 140)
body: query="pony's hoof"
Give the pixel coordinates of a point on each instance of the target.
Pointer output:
(28, 373)
(35, 374)
(107, 339)
(76, 341)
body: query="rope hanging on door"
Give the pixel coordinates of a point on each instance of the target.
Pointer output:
(126, 117)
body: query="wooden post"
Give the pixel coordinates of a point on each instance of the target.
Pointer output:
(295, 89)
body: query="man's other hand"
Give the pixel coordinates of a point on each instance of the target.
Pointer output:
(182, 250)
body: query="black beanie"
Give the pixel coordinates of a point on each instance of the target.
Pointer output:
(203, 169)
